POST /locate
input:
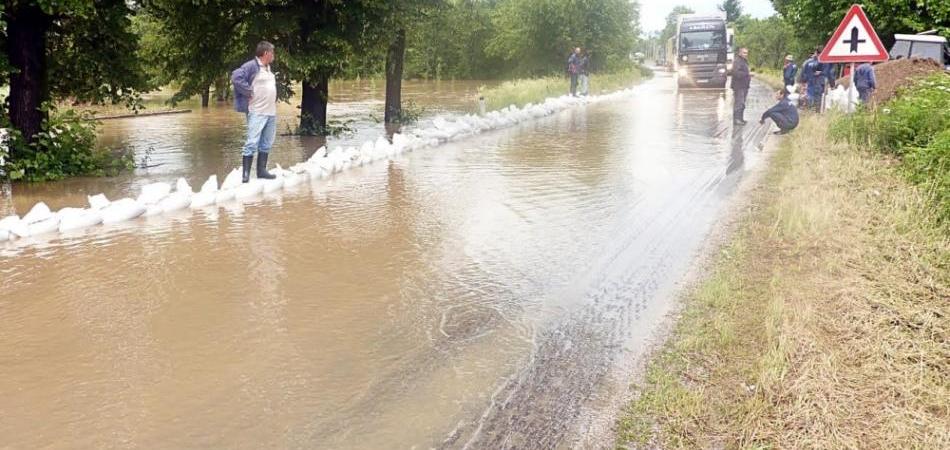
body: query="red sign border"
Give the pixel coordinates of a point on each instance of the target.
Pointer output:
(882, 53)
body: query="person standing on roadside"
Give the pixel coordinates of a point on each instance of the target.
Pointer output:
(573, 69)
(741, 78)
(789, 71)
(583, 75)
(815, 75)
(865, 81)
(255, 94)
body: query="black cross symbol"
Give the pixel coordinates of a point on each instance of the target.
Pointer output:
(854, 41)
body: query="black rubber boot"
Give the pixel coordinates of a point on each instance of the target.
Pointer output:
(246, 168)
(262, 172)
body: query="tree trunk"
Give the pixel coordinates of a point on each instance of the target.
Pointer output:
(313, 105)
(205, 96)
(394, 66)
(26, 52)
(221, 86)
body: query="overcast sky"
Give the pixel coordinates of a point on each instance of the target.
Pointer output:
(653, 12)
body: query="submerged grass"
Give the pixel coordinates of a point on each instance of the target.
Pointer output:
(824, 323)
(523, 91)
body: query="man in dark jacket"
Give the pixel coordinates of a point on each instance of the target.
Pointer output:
(789, 71)
(784, 113)
(741, 77)
(865, 81)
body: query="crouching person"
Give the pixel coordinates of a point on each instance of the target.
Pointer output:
(784, 114)
(255, 94)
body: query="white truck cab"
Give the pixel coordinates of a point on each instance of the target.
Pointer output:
(921, 46)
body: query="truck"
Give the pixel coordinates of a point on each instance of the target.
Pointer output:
(921, 46)
(701, 50)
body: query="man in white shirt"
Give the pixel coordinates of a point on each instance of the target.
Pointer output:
(255, 94)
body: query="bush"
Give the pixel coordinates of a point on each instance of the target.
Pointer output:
(914, 126)
(65, 146)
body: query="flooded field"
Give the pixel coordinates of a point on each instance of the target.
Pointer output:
(479, 294)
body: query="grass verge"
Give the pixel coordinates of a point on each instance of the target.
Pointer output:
(771, 77)
(523, 91)
(823, 324)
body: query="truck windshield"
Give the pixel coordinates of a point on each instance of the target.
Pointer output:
(918, 50)
(703, 40)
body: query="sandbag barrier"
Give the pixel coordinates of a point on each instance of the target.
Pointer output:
(161, 198)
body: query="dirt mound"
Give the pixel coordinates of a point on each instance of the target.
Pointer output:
(892, 75)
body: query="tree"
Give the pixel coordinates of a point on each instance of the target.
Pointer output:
(769, 40)
(732, 8)
(537, 35)
(318, 40)
(401, 16)
(88, 39)
(671, 20)
(817, 19)
(450, 41)
(193, 43)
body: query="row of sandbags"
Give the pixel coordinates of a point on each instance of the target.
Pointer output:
(159, 198)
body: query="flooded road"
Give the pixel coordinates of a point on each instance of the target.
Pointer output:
(474, 295)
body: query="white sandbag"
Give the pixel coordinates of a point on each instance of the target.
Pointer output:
(232, 181)
(249, 189)
(98, 201)
(153, 193)
(153, 210)
(44, 226)
(122, 210)
(14, 227)
(273, 185)
(203, 199)
(176, 201)
(224, 195)
(182, 187)
(76, 219)
(211, 185)
(38, 213)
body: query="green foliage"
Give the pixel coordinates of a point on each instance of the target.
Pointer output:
(92, 42)
(769, 40)
(66, 146)
(817, 19)
(537, 36)
(450, 42)
(914, 126)
(732, 8)
(670, 29)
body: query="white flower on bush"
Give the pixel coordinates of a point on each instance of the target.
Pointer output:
(887, 111)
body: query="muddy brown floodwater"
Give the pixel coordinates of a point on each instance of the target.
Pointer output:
(473, 295)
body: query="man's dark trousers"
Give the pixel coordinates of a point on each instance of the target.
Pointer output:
(738, 103)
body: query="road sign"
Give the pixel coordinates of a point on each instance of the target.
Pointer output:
(854, 41)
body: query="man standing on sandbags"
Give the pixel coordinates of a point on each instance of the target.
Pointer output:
(255, 94)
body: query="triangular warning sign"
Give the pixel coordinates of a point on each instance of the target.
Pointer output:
(854, 41)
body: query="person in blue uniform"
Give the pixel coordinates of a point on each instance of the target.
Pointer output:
(784, 113)
(815, 75)
(864, 81)
(789, 71)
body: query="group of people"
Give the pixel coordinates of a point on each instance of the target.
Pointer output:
(578, 68)
(784, 114)
(812, 81)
